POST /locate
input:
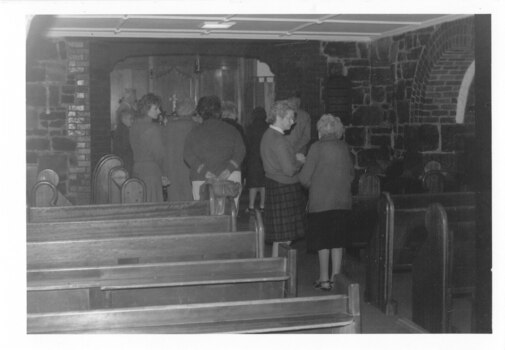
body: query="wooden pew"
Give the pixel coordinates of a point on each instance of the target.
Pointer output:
(443, 268)
(44, 192)
(72, 289)
(97, 229)
(118, 211)
(327, 314)
(144, 248)
(399, 234)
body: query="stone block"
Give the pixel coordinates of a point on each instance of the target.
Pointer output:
(35, 95)
(68, 99)
(53, 115)
(455, 136)
(368, 115)
(355, 136)
(408, 70)
(63, 144)
(36, 132)
(35, 74)
(422, 138)
(56, 124)
(400, 90)
(68, 89)
(56, 72)
(378, 93)
(399, 142)
(358, 73)
(32, 120)
(54, 96)
(341, 49)
(380, 140)
(403, 111)
(38, 144)
(357, 96)
(381, 76)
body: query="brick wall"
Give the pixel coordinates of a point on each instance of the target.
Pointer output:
(58, 117)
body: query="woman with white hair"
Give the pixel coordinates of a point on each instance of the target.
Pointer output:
(328, 173)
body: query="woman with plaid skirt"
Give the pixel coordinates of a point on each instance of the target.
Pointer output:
(285, 201)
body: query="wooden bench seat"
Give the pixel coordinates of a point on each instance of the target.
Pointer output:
(327, 314)
(399, 235)
(51, 231)
(71, 289)
(144, 249)
(117, 211)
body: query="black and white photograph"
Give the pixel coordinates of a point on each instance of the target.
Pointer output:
(192, 172)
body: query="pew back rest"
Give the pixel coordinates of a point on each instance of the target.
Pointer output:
(44, 194)
(118, 211)
(51, 231)
(133, 190)
(100, 178)
(85, 288)
(143, 249)
(255, 316)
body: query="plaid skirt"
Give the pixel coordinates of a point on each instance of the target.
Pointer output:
(284, 217)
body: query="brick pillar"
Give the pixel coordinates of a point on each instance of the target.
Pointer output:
(78, 119)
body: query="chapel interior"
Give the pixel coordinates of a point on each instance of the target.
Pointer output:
(423, 93)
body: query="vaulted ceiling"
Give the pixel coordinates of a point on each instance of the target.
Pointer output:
(322, 27)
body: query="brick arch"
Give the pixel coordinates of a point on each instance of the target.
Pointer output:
(441, 68)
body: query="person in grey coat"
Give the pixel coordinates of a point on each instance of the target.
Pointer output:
(328, 173)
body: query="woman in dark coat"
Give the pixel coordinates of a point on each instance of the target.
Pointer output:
(328, 173)
(147, 145)
(285, 202)
(255, 172)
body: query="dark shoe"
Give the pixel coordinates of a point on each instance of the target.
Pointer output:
(322, 285)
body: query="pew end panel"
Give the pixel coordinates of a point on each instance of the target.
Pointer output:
(285, 251)
(344, 286)
(431, 300)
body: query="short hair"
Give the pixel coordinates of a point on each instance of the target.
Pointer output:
(122, 110)
(329, 124)
(146, 102)
(279, 109)
(209, 107)
(229, 110)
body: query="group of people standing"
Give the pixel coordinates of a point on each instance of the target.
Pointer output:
(198, 145)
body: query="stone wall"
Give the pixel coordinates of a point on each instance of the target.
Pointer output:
(57, 113)
(405, 91)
